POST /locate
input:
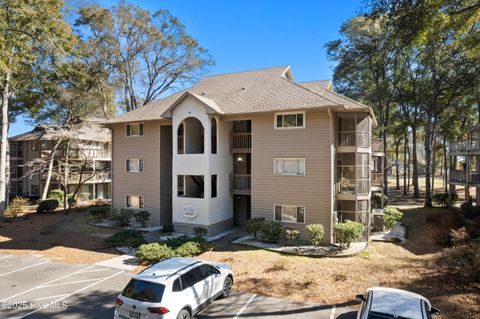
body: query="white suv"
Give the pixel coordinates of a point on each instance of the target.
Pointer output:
(174, 288)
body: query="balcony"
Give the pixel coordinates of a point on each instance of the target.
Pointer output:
(377, 179)
(240, 184)
(354, 139)
(457, 176)
(353, 187)
(240, 142)
(465, 146)
(377, 145)
(100, 177)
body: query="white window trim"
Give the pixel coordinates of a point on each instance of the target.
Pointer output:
(126, 195)
(288, 113)
(134, 123)
(289, 158)
(134, 159)
(290, 222)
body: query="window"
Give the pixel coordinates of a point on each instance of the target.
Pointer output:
(144, 291)
(190, 137)
(192, 277)
(213, 134)
(134, 129)
(191, 186)
(214, 186)
(133, 201)
(290, 120)
(207, 271)
(34, 189)
(35, 146)
(134, 165)
(289, 214)
(289, 166)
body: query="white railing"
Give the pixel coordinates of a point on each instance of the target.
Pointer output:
(354, 138)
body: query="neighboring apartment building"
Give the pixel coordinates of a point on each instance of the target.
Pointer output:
(243, 145)
(465, 163)
(94, 141)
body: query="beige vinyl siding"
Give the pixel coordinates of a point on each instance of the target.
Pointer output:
(146, 183)
(314, 190)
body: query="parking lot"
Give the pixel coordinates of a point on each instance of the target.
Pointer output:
(35, 287)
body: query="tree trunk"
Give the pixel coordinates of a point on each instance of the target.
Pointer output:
(433, 163)
(65, 178)
(428, 159)
(405, 145)
(409, 169)
(445, 165)
(385, 175)
(416, 191)
(397, 186)
(50, 169)
(3, 143)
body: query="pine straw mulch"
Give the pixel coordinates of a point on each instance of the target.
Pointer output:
(408, 266)
(57, 236)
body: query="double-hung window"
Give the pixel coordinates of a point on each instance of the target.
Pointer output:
(134, 201)
(134, 165)
(135, 129)
(289, 166)
(290, 120)
(289, 214)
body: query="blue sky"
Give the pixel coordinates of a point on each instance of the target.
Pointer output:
(242, 35)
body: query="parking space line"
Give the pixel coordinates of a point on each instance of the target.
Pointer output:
(94, 270)
(23, 268)
(70, 282)
(49, 282)
(71, 294)
(244, 307)
(332, 312)
(49, 297)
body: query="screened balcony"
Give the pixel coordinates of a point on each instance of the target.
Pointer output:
(353, 130)
(240, 184)
(353, 173)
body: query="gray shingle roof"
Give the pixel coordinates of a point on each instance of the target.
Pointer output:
(254, 91)
(321, 84)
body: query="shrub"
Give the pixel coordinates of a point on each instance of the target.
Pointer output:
(168, 229)
(441, 199)
(84, 196)
(462, 262)
(99, 212)
(469, 210)
(71, 200)
(377, 200)
(122, 218)
(316, 233)
(347, 232)
(466, 207)
(200, 232)
(254, 226)
(271, 231)
(391, 216)
(17, 206)
(188, 249)
(131, 238)
(291, 234)
(142, 217)
(56, 194)
(174, 243)
(154, 252)
(48, 205)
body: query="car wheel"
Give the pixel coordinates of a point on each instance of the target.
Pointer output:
(183, 314)
(227, 287)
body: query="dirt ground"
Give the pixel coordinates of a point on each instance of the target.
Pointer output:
(337, 280)
(58, 236)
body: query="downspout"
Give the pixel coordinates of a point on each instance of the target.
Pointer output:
(332, 172)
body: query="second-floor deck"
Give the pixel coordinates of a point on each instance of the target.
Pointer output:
(461, 176)
(465, 146)
(241, 142)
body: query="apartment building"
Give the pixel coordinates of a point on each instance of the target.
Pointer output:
(242, 145)
(465, 163)
(92, 142)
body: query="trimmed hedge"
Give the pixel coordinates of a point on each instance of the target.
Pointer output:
(316, 233)
(441, 199)
(56, 194)
(254, 226)
(122, 218)
(168, 229)
(48, 205)
(84, 196)
(271, 231)
(347, 232)
(469, 210)
(154, 252)
(391, 216)
(130, 238)
(142, 217)
(200, 232)
(99, 211)
(291, 234)
(177, 247)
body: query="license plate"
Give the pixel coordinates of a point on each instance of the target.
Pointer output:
(134, 314)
